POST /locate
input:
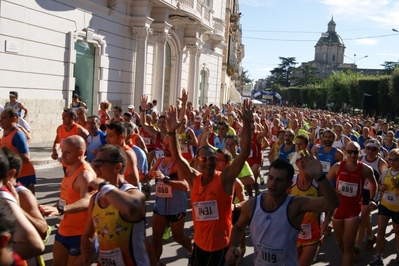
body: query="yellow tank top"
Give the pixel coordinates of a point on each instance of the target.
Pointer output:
(390, 197)
(120, 242)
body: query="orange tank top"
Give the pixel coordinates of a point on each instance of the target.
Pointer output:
(72, 224)
(63, 134)
(211, 214)
(6, 141)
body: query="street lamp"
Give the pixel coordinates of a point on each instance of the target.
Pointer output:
(354, 58)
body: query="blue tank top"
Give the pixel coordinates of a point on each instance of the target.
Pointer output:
(327, 159)
(15, 106)
(285, 155)
(169, 201)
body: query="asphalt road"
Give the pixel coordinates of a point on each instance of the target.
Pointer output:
(47, 192)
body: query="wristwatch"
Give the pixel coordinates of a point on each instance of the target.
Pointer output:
(166, 179)
(60, 210)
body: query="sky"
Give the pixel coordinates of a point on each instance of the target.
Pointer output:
(291, 28)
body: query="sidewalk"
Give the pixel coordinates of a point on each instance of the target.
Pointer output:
(40, 153)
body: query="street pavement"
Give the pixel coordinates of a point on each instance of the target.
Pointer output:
(49, 176)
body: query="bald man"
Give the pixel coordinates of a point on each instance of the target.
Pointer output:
(73, 203)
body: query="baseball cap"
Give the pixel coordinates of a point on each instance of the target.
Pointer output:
(130, 106)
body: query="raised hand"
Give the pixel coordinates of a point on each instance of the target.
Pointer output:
(310, 164)
(143, 102)
(246, 113)
(184, 96)
(172, 124)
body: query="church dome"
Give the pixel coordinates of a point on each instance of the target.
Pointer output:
(330, 36)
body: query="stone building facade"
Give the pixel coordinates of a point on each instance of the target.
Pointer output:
(115, 50)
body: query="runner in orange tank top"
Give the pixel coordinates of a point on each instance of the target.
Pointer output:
(73, 203)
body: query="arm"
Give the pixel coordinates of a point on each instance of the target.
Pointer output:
(140, 143)
(230, 173)
(239, 193)
(83, 133)
(86, 242)
(23, 107)
(27, 241)
(150, 130)
(179, 184)
(339, 155)
(29, 204)
(238, 231)
(192, 139)
(131, 173)
(368, 174)
(56, 145)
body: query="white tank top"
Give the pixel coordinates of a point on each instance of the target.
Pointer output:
(339, 143)
(273, 236)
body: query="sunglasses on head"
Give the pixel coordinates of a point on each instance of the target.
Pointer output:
(393, 159)
(205, 158)
(352, 151)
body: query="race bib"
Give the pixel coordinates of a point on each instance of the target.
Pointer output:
(159, 154)
(61, 202)
(111, 257)
(306, 231)
(270, 256)
(390, 198)
(206, 210)
(147, 141)
(184, 148)
(326, 166)
(163, 190)
(347, 189)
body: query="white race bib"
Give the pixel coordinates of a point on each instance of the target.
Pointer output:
(147, 141)
(111, 257)
(159, 154)
(206, 210)
(326, 166)
(269, 256)
(347, 189)
(184, 148)
(61, 202)
(163, 190)
(391, 198)
(306, 231)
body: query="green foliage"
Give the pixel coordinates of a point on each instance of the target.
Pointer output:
(395, 87)
(245, 77)
(281, 74)
(390, 66)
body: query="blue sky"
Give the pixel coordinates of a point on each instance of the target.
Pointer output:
(300, 24)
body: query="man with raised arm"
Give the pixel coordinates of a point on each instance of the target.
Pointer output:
(211, 190)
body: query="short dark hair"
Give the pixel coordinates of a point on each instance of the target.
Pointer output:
(116, 153)
(303, 137)
(15, 93)
(14, 160)
(226, 153)
(129, 128)
(128, 114)
(223, 123)
(118, 108)
(154, 101)
(281, 164)
(206, 147)
(71, 112)
(7, 219)
(235, 137)
(4, 165)
(119, 127)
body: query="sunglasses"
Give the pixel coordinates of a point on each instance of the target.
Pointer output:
(100, 162)
(204, 158)
(371, 149)
(393, 159)
(352, 151)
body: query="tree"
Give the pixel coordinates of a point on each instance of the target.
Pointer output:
(307, 76)
(245, 77)
(390, 66)
(282, 74)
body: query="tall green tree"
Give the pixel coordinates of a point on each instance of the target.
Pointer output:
(307, 76)
(245, 77)
(282, 74)
(390, 66)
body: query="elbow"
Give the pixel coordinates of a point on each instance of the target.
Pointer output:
(335, 203)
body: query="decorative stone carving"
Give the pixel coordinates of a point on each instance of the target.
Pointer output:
(142, 32)
(161, 37)
(194, 49)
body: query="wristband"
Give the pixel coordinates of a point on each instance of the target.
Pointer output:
(171, 133)
(102, 184)
(321, 178)
(105, 189)
(166, 179)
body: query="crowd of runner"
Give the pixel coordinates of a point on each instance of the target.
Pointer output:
(328, 171)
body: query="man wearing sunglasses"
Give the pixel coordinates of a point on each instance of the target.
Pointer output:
(116, 214)
(378, 165)
(350, 174)
(211, 191)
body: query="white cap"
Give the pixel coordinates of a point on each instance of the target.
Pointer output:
(130, 106)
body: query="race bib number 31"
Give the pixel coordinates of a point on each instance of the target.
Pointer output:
(206, 210)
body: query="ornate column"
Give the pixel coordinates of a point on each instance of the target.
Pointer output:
(159, 67)
(193, 71)
(141, 62)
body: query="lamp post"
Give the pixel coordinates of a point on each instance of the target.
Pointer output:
(354, 58)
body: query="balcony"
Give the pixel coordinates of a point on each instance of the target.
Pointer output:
(218, 30)
(197, 8)
(235, 17)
